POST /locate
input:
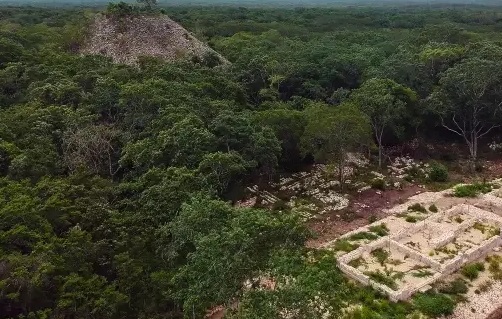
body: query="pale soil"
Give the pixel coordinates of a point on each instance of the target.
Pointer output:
(480, 306)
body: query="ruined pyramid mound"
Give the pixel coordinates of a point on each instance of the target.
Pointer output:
(126, 38)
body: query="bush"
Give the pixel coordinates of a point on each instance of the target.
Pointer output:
(472, 190)
(434, 304)
(280, 205)
(378, 183)
(363, 235)
(344, 245)
(372, 219)
(411, 219)
(380, 255)
(417, 208)
(456, 287)
(471, 271)
(381, 230)
(433, 208)
(438, 172)
(383, 278)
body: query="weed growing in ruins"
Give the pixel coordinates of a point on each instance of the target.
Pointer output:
(471, 271)
(411, 219)
(422, 273)
(356, 263)
(381, 255)
(455, 287)
(345, 245)
(417, 208)
(494, 266)
(383, 278)
(363, 235)
(433, 208)
(381, 230)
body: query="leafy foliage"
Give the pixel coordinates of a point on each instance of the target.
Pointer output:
(115, 180)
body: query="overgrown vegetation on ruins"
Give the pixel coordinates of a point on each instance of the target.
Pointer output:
(117, 182)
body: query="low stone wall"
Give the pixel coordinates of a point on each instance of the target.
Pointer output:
(354, 274)
(415, 255)
(442, 270)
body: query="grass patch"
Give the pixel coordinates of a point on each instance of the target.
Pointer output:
(383, 279)
(471, 271)
(433, 208)
(472, 190)
(381, 255)
(363, 235)
(356, 263)
(381, 230)
(434, 305)
(417, 208)
(411, 219)
(455, 287)
(345, 245)
(422, 273)
(494, 266)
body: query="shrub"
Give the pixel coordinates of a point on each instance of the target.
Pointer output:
(417, 208)
(438, 172)
(363, 235)
(372, 219)
(472, 190)
(345, 245)
(380, 255)
(381, 230)
(378, 183)
(356, 262)
(382, 278)
(433, 208)
(456, 287)
(434, 304)
(422, 273)
(471, 271)
(411, 219)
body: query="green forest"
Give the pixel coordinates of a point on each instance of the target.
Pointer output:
(118, 183)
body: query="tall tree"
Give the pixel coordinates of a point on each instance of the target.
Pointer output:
(384, 102)
(469, 99)
(331, 133)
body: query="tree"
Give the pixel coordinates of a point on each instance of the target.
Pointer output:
(219, 169)
(94, 147)
(224, 247)
(469, 99)
(333, 132)
(384, 102)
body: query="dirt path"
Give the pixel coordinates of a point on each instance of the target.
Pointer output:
(363, 206)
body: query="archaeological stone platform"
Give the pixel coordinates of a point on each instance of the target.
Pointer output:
(424, 252)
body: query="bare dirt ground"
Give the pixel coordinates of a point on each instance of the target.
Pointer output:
(365, 205)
